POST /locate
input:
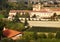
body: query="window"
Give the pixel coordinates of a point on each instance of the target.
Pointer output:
(26, 2)
(32, 2)
(36, 2)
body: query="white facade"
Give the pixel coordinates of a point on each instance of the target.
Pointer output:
(36, 7)
(41, 14)
(11, 14)
(10, 17)
(37, 10)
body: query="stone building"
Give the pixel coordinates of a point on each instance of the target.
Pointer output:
(38, 10)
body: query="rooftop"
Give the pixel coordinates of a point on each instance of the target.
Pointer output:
(10, 33)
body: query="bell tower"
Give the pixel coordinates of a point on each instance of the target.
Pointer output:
(37, 7)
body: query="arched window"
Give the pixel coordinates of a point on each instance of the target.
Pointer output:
(32, 2)
(26, 2)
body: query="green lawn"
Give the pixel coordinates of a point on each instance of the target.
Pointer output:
(1, 16)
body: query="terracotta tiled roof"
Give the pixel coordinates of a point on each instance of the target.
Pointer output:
(10, 33)
(55, 9)
(41, 10)
(13, 11)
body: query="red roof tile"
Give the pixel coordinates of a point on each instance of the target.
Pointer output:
(10, 33)
(55, 9)
(13, 11)
(42, 10)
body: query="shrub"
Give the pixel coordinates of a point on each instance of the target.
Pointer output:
(35, 36)
(50, 35)
(6, 40)
(26, 22)
(42, 35)
(58, 35)
(28, 35)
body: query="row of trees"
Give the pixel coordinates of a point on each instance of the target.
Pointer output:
(35, 37)
(26, 15)
(4, 4)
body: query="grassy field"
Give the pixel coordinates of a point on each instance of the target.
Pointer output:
(1, 16)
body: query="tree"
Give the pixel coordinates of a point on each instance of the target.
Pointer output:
(16, 18)
(59, 16)
(3, 4)
(42, 35)
(34, 16)
(58, 35)
(50, 35)
(26, 23)
(54, 17)
(29, 5)
(5, 13)
(27, 15)
(28, 35)
(13, 5)
(15, 25)
(21, 5)
(35, 36)
(2, 24)
(6, 40)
